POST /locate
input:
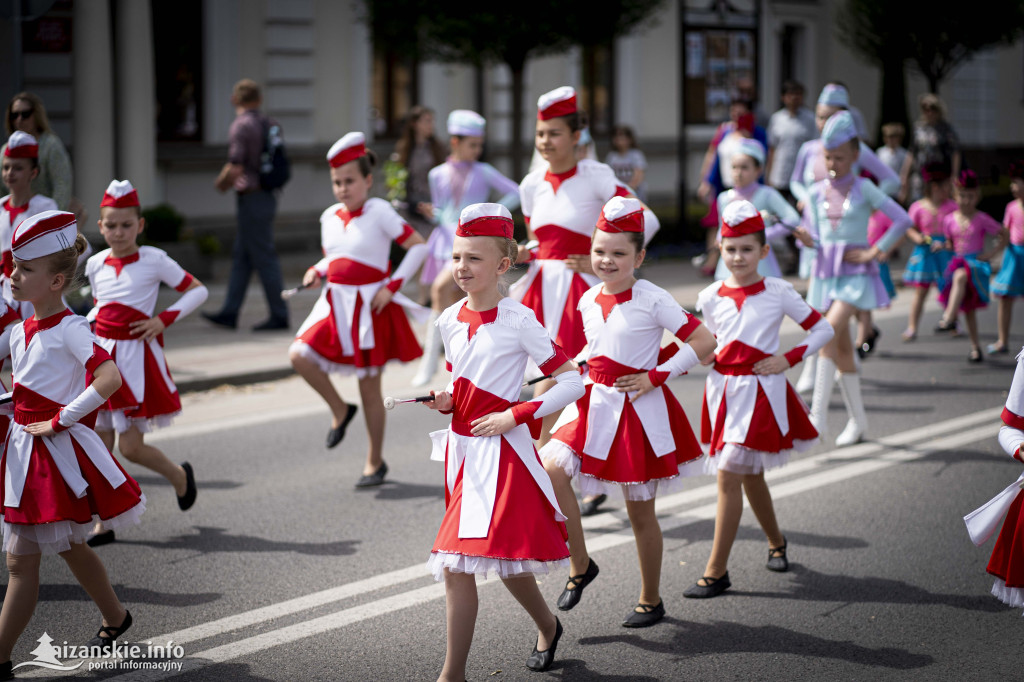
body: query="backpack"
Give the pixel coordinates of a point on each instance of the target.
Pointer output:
(275, 167)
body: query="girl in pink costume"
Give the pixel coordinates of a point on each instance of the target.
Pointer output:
(1009, 283)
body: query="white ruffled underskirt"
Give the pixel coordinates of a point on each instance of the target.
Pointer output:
(484, 566)
(1011, 596)
(738, 459)
(56, 537)
(114, 420)
(565, 458)
(325, 365)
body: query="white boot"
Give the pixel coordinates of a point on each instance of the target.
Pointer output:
(849, 386)
(805, 384)
(431, 351)
(823, 382)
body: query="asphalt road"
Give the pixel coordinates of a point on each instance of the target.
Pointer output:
(283, 571)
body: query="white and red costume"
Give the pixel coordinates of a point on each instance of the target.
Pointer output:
(562, 210)
(1007, 560)
(501, 514)
(125, 291)
(342, 334)
(54, 488)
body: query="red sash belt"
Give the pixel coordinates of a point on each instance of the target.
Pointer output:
(558, 243)
(353, 273)
(604, 371)
(734, 370)
(114, 319)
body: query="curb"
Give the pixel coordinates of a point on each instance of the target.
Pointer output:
(239, 379)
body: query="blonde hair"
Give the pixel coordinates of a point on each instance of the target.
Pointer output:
(507, 248)
(66, 262)
(38, 112)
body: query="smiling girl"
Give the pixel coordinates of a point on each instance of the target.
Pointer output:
(357, 325)
(628, 435)
(501, 514)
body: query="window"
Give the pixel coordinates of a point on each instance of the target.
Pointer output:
(395, 91)
(178, 62)
(598, 93)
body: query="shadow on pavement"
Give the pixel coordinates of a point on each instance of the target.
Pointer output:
(576, 669)
(201, 484)
(219, 540)
(702, 531)
(127, 593)
(397, 490)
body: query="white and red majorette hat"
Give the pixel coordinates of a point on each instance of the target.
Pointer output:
(559, 102)
(348, 148)
(485, 220)
(466, 122)
(740, 218)
(22, 146)
(120, 194)
(622, 214)
(43, 234)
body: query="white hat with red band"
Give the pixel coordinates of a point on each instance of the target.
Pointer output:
(559, 102)
(348, 148)
(44, 234)
(22, 146)
(740, 218)
(622, 214)
(120, 194)
(485, 220)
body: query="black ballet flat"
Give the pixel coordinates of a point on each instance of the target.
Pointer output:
(374, 479)
(335, 435)
(112, 633)
(539, 661)
(646, 617)
(189, 498)
(712, 587)
(7, 670)
(99, 539)
(570, 598)
(590, 507)
(777, 560)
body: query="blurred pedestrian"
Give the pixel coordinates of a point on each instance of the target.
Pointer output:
(25, 112)
(1009, 283)
(418, 150)
(628, 162)
(892, 152)
(788, 129)
(933, 140)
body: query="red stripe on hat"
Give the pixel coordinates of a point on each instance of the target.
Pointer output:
(631, 222)
(486, 226)
(560, 108)
(751, 225)
(126, 201)
(347, 154)
(41, 228)
(25, 151)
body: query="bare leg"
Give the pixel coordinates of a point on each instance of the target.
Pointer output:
(20, 601)
(525, 590)
(579, 559)
(712, 248)
(108, 442)
(548, 421)
(760, 499)
(840, 348)
(136, 451)
(373, 411)
(916, 308)
(461, 603)
(727, 523)
(1004, 314)
(320, 382)
(647, 532)
(971, 317)
(863, 326)
(88, 569)
(956, 295)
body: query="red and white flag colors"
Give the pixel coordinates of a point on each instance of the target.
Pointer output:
(120, 194)
(740, 218)
(22, 146)
(485, 220)
(44, 234)
(349, 148)
(622, 214)
(559, 102)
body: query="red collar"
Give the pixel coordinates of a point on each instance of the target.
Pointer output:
(347, 215)
(739, 295)
(32, 325)
(476, 318)
(609, 301)
(556, 179)
(15, 211)
(119, 263)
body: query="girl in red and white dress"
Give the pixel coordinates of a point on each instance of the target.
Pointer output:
(635, 447)
(57, 475)
(125, 280)
(20, 168)
(1006, 562)
(358, 324)
(501, 514)
(752, 417)
(561, 203)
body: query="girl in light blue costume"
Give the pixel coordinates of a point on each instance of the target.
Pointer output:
(747, 161)
(1009, 283)
(810, 168)
(457, 183)
(845, 279)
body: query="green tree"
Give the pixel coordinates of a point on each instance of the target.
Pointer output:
(446, 31)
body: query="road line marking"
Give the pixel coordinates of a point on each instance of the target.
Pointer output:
(790, 487)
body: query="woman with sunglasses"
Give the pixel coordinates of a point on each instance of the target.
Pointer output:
(26, 113)
(933, 140)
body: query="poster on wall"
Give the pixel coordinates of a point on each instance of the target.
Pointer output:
(694, 54)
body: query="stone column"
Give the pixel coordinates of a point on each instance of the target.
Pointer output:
(93, 92)
(136, 99)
